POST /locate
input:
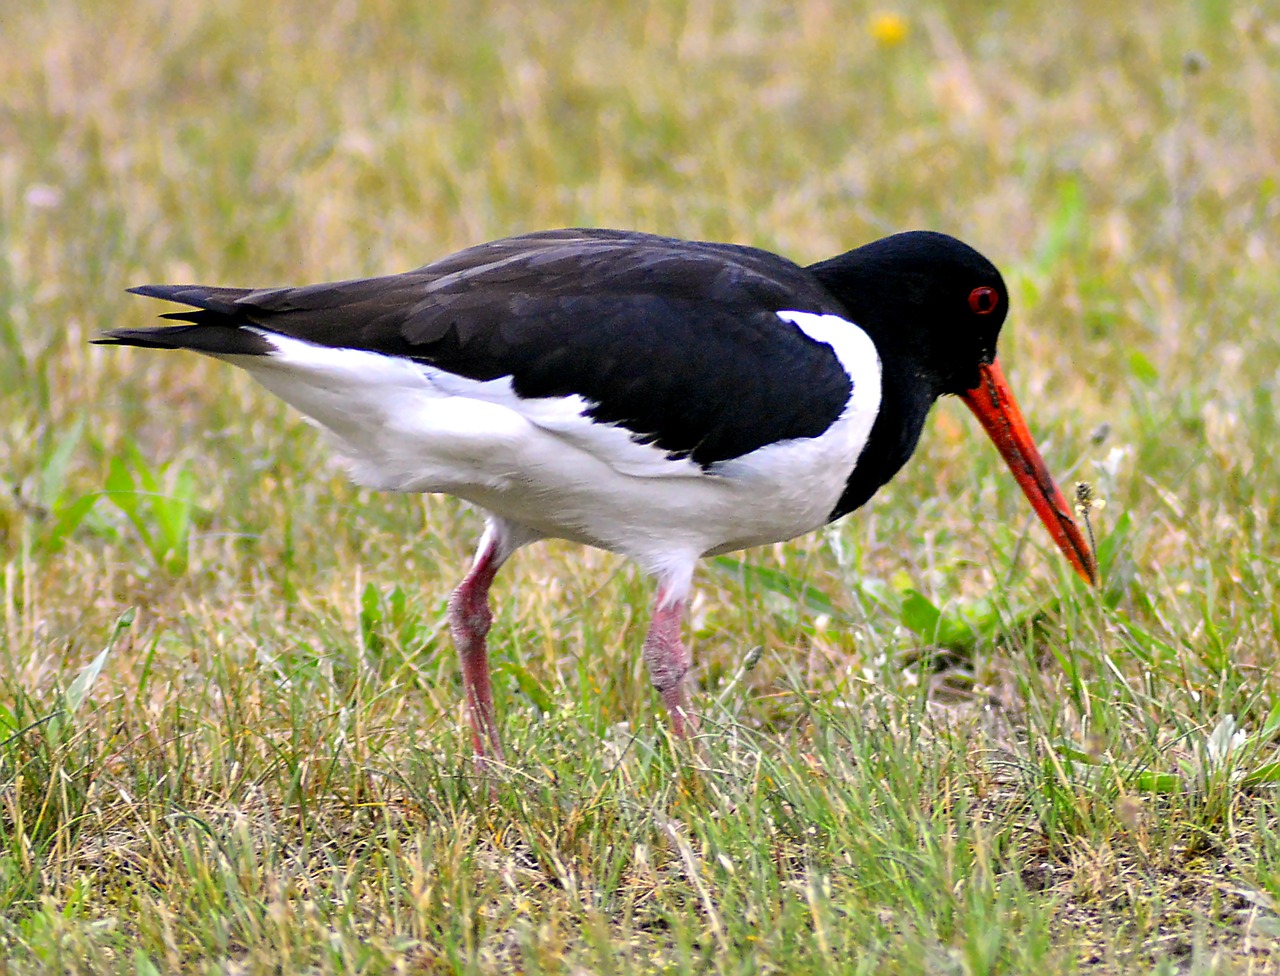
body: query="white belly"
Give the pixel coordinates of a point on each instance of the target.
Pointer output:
(541, 463)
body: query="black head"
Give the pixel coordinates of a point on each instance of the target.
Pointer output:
(927, 300)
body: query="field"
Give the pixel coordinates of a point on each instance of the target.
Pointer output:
(230, 731)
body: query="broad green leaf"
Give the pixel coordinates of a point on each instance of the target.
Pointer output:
(528, 684)
(66, 519)
(1266, 773)
(1074, 753)
(1142, 369)
(53, 476)
(1272, 723)
(920, 616)
(776, 581)
(1152, 782)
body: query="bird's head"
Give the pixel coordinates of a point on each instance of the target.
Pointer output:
(927, 295)
(934, 308)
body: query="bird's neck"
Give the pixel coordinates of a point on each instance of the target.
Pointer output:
(907, 385)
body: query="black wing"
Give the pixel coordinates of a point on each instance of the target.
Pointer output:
(675, 340)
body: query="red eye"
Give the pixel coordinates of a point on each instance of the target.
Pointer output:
(983, 300)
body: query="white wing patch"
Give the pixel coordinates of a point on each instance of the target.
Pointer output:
(853, 347)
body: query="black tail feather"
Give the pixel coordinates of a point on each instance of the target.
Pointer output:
(218, 340)
(198, 296)
(215, 323)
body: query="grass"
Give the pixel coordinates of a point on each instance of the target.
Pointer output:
(230, 734)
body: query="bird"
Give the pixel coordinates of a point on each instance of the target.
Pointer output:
(661, 398)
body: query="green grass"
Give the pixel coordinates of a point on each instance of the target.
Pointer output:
(230, 732)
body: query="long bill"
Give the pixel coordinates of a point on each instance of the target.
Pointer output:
(993, 404)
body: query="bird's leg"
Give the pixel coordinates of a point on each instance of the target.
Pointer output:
(668, 659)
(469, 620)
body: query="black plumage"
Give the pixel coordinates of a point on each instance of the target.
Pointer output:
(677, 341)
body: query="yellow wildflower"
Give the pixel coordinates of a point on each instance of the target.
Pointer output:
(889, 29)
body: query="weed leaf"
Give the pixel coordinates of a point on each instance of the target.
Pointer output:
(776, 581)
(83, 683)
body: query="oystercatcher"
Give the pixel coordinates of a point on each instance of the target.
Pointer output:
(660, 398)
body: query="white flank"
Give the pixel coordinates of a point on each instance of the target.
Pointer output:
(542, 464)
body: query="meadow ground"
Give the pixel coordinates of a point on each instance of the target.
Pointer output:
(229, 727)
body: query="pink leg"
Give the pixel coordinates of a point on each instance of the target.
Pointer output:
(668, 660)
(469, 620)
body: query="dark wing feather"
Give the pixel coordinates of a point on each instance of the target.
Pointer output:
(677, 341)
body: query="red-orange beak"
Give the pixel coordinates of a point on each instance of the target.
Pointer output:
(993, 403)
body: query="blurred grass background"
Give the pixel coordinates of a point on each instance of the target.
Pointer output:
(950, 758)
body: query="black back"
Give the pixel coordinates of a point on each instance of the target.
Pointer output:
(675, 340)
